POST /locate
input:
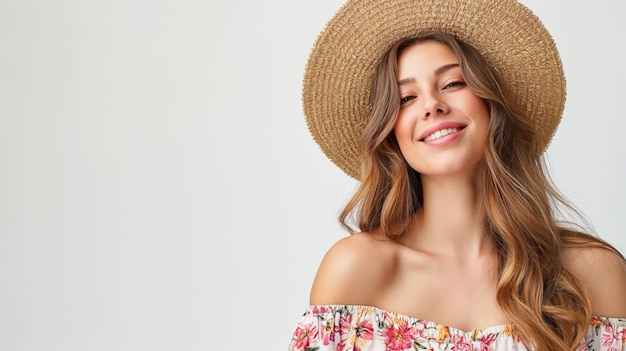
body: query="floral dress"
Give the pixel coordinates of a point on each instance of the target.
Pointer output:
(365, 328)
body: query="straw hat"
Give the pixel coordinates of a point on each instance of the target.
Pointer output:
(340, 69)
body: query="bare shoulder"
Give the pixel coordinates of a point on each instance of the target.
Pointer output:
(353, 271)
(604, 274)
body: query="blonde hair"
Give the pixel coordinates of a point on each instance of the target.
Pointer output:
(547, 305)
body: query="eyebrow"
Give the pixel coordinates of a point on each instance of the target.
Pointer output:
(437, 72)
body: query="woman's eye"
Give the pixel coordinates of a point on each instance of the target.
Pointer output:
(454, 84)
(406, 99)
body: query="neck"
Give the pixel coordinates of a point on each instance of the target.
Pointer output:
(451, 221)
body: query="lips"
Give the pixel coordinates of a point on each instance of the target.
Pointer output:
(441, 130)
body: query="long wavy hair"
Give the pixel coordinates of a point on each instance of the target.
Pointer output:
(547, 305)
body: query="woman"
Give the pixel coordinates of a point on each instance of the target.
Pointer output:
(442, 110)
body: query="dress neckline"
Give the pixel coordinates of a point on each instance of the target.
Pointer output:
(410, 319)
(496, 329)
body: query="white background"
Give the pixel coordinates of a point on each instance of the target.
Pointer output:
(159, 189)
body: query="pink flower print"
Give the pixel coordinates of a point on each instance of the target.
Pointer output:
(610, 338)
(460, 343)
(346, 324)
(399, 337)
(320, 309)
(303, 336)
(328, 333)
(363, 335)
(486, 341)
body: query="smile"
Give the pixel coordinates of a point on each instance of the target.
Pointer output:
(441, 133)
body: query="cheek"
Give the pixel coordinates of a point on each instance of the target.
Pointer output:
(484, 115)
(404, 128)
(479, 107)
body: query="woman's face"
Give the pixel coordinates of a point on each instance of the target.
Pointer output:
(442, 125)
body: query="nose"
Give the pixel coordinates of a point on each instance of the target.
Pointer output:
(434, 106)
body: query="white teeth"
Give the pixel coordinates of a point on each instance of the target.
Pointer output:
(441, 133)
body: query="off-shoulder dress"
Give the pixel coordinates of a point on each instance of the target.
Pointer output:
(367, 328)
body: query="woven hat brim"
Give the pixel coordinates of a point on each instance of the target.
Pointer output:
(340, 69)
